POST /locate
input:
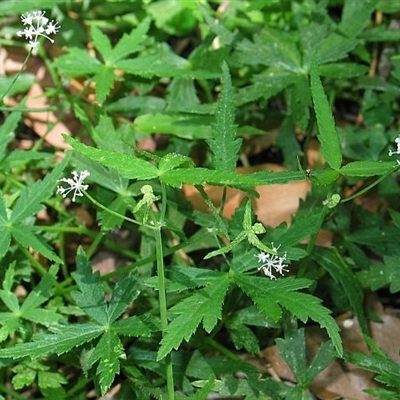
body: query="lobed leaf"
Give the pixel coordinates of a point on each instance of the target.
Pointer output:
(128, 165)
(205, 305)
(70, 336)
(328, 135)
(91, 297)
(224, 144)
(271, 296)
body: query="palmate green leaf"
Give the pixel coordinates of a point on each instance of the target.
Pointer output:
(328, 135)
(91, 297)
(205, 305)
(68, 337)
(108, 351)
(293, 351)
(5, 237)
(367, 168)
(270, 296)
(128, 165)
(29, 202)
(341, 272)
(224, 144)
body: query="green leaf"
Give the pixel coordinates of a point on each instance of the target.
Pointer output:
(334, 47)
(41, 292)
(68, 337)
(25, 236)
(205, 305)
(378, 276)
(342, 70)
(224, 144)
(139, 326)
(91, 297)
(172, 161)
(104, 79)
(131, 43)
(274, 48)
(101, 42)
(125, 291)
(340, 270)
(328, 135)
(293, 351)
(367, 168)
(128, 165)
(186, 126)
(7, 131)
(356, 15)
(77, 62)
(29, 202)
(270, 296)
(386, 370)
(108, 351)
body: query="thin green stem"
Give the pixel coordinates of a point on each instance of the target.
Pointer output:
(369, 187)
(17, 75)
(162, 297)
(116, 214)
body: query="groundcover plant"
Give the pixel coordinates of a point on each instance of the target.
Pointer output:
(194, 193)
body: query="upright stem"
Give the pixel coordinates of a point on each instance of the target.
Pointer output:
(162, 298)
(16, 77)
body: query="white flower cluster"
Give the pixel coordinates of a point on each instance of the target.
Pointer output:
(75, 184)
(272, 263)
(397, 152)
(36, 25)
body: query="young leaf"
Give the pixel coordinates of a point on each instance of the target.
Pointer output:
(205, 305)
(328, 135)
(224, 144)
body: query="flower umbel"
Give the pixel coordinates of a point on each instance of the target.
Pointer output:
(272, 263)
(36, 25)
(397, 152)
(75, 184)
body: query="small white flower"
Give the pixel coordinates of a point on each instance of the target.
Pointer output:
(272, 263)
(392, 152)
(36, 25)
(75, 184)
